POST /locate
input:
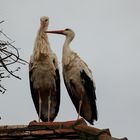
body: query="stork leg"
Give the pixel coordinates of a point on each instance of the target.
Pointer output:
(79, 110)
(40, 102)
(49, 106)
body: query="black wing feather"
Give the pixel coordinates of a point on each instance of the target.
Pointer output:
(57, 93)
(74, 100)
(90, 89)
(34, 94)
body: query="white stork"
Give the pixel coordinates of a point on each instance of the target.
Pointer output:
(78, 79)
(44, 76)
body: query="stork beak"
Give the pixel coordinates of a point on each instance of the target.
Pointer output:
(55, 32)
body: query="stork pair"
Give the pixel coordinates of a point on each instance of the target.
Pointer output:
(45, 79)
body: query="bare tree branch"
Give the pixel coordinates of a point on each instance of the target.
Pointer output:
(5, 35)
(4, 66)
(1, 21)
(9, 55)
(15, 55)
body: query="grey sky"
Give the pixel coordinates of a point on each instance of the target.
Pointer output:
(107, 38)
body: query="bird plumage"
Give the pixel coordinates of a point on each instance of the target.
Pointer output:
(78, 79)
(44, 75)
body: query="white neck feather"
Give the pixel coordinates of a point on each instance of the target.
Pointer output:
(41, 45)
(66, 51)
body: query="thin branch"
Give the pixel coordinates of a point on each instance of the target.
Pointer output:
(9, 55)
(1, 21)
(16, 56)
(4, 66)
(5, 35)
(6, 57)
(3, 91)
(17, 53)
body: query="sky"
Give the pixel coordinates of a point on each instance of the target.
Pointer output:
(107, 39)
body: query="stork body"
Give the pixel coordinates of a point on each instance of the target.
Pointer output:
(78, 80)
(44, 76)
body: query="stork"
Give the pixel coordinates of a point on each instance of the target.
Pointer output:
(78, 79)
(44, 76)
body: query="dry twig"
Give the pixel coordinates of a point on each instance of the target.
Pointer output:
(9, 55)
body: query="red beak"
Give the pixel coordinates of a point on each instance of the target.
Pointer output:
(55, 32)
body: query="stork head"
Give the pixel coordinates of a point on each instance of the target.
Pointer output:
(69, 33)
(44, 22)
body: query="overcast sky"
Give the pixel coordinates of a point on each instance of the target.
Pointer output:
(107, 39)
